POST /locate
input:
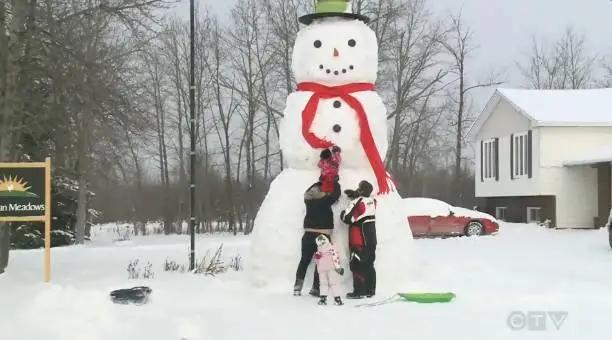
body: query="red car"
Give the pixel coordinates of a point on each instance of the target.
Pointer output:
(429, 217)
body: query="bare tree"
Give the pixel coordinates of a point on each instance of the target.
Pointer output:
(460, 47)
(225, 109)
(565, 64)
(174, 50)
(243, 40)
(413, 70)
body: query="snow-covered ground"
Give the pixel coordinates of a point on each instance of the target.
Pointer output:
(522, 269)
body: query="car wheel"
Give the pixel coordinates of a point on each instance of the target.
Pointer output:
(474, 228)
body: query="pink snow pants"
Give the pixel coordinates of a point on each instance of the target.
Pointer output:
(330, 283)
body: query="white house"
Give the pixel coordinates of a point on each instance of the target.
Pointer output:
(546, 155)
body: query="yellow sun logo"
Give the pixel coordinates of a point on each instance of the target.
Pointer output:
(15, 187)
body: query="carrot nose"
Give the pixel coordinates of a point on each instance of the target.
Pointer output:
(336, 53)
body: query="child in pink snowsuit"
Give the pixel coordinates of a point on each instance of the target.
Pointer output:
(329, 165)
(328, 266)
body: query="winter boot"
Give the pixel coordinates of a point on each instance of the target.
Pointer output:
(323, 300)
(354, 295)
(314, 292)
(297, 287)
(338, 301)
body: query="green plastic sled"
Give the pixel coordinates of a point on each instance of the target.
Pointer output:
(427, 297)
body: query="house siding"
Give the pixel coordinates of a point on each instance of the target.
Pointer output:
(604, 193)
(559, 144)
(576, 187)
(502, 123)
(576, 191)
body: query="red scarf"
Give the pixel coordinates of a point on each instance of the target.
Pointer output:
(367, 141)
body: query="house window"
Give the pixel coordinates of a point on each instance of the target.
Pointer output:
(489, 159)
(521, 155)
(500, 213)
(533, 215)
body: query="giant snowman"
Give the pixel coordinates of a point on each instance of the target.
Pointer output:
(335, 62)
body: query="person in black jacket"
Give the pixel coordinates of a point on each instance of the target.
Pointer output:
(319, 220)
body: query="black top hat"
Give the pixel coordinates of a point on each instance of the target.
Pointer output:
(332, 8)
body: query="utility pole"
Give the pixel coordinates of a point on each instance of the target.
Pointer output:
(192, 154)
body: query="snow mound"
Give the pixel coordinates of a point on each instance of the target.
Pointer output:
(275, 250)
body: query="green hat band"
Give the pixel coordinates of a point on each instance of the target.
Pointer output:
(333, 6)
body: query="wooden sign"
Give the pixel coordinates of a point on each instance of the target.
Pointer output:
(25, 195)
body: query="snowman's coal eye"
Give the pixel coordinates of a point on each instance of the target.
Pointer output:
(317, 43)
(352, 43)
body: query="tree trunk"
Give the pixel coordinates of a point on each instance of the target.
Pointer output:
(182, 212)
(83, 157)
(459, 136)
(228, 180)
(12, 99)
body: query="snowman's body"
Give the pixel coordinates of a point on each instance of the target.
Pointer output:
(322, 50)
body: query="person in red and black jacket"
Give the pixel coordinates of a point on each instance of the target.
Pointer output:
(360, 215)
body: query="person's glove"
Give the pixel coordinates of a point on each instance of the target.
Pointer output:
(352, 194)
(336, 148)
(340, 271)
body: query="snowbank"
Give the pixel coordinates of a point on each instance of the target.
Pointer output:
(525, 268)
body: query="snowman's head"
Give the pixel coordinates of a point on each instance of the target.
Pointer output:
(335, 51)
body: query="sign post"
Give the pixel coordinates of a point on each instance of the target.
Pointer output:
(25, 196)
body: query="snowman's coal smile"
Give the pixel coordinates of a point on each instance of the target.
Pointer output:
(336, 72)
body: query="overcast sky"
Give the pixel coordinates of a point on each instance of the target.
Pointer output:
(502, 28)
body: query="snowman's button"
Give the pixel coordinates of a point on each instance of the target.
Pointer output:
(336, 72)
(328, 71)
(337, 104)
(321, 67)
(351, 67)
(337, 128)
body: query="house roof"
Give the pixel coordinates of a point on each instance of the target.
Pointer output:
(591, 107)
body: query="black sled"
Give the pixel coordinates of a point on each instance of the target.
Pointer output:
(135, 295)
